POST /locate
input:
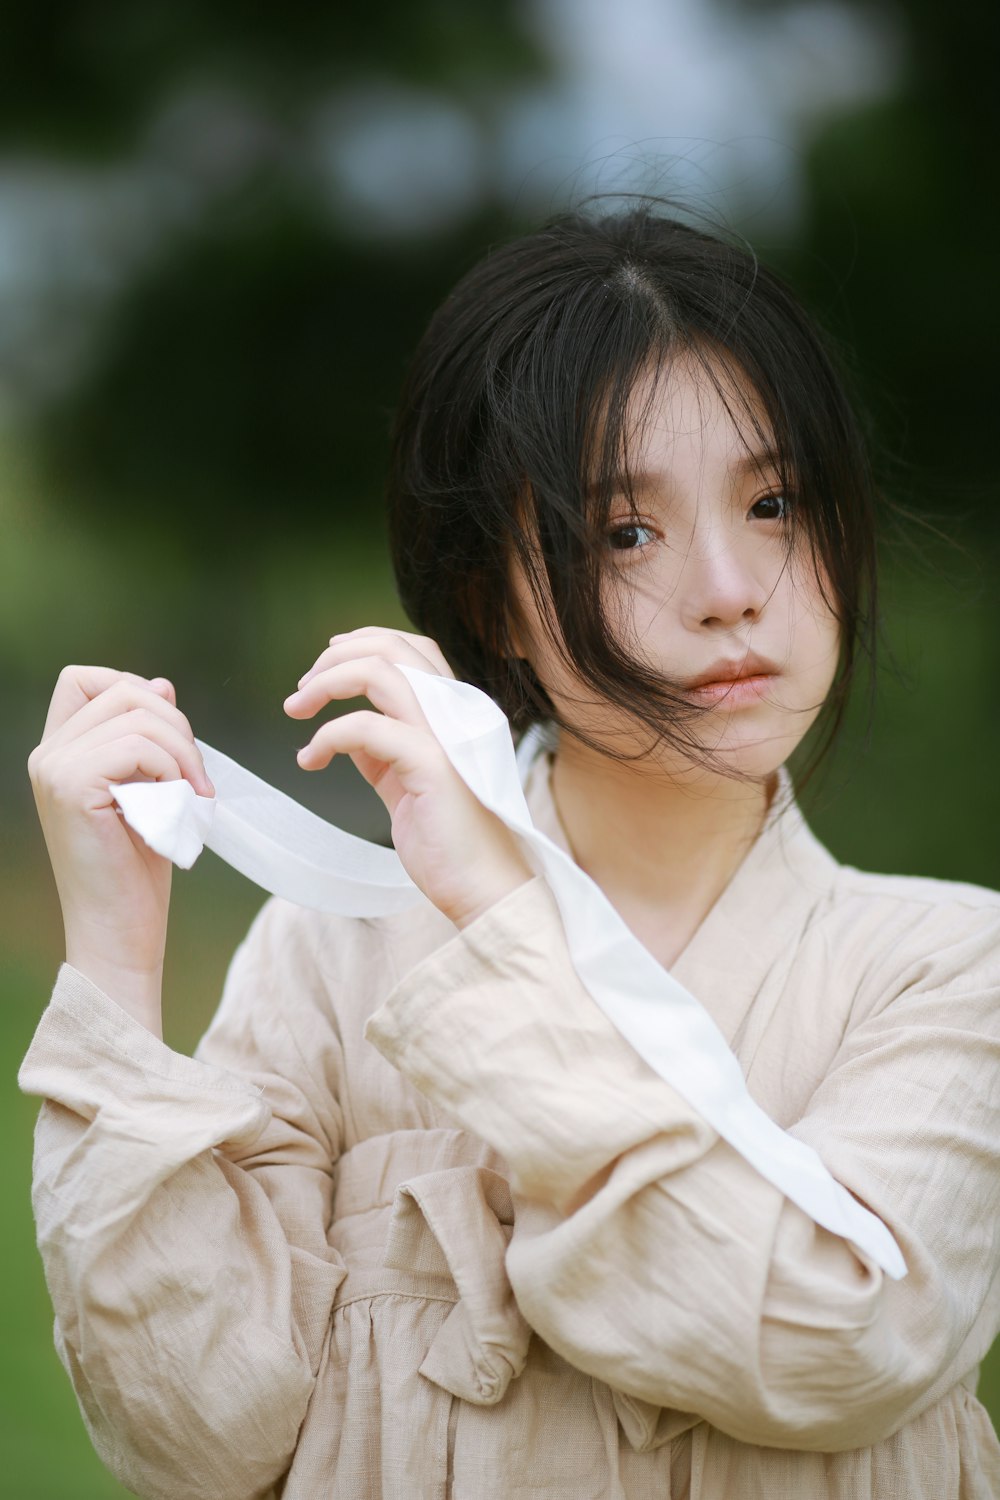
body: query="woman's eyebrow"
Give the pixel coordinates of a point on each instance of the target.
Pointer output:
(752, 463)
(621, 481)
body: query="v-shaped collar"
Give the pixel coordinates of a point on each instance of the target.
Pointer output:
(754, 927)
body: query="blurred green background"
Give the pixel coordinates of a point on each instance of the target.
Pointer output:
(220, 236)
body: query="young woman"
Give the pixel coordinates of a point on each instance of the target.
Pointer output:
(417, 1220)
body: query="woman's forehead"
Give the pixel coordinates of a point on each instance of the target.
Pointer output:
(692, 410)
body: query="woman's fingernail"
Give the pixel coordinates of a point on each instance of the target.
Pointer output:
(292, 700)
(306, 676)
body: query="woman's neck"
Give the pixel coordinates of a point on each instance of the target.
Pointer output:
(661, 851)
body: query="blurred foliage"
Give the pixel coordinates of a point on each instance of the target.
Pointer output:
(252, 375)
(249, 368)
(898, 254)
(82, 77)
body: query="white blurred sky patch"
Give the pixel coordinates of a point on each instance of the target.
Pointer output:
(398, 161)
(683, 96)
(693, 95)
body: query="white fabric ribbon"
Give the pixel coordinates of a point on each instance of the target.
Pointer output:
(294, 854)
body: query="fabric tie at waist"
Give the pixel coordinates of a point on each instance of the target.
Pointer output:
(291, 852)
(460, 1221)
(448, 1231)
(430, 1213)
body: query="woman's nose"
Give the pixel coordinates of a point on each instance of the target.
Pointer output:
(721, 588)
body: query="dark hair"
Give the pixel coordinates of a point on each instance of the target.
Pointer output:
(512, 426)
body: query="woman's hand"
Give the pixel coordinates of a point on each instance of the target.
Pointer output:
(105, 726)
(460, 855)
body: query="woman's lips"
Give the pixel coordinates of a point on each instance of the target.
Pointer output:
(734, 692)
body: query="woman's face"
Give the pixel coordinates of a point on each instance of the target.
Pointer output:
(704, 587)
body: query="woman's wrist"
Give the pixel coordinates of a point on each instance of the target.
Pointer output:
(138, 992)
(517, 876)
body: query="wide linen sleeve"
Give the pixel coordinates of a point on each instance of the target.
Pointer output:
(181, 1206)
(648, 1252)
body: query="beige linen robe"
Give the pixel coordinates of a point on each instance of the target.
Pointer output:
(416, 1222)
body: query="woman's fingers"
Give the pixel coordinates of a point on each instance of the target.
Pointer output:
(77, 686)
(116, 705)
(458, 853)
(140, 727)
(421, 646)
(391, 645)
(396, 738)
(386, 743)
(122, 695)
(128, 757)
(371, 677)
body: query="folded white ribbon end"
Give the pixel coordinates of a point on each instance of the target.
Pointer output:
(169, 816)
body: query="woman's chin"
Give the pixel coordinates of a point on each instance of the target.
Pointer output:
(745, 747)
(746, 759)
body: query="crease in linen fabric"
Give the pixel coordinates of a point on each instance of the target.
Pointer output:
(296, 855)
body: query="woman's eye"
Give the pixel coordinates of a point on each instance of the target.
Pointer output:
(771, 508)
(629, 538)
